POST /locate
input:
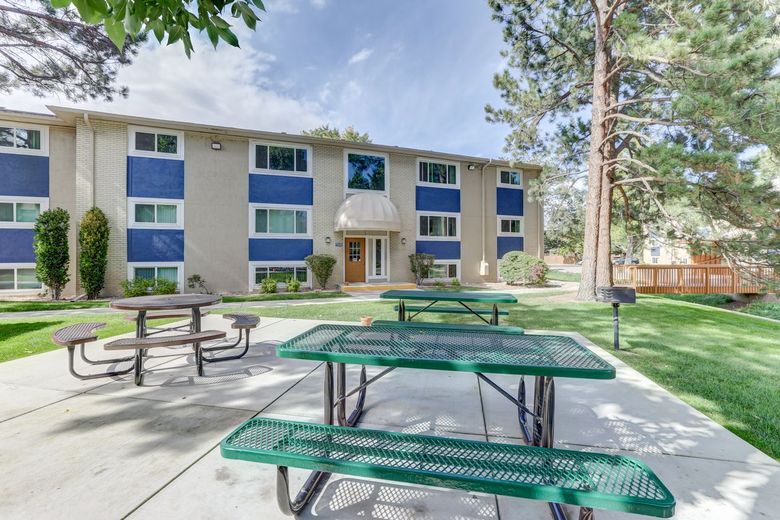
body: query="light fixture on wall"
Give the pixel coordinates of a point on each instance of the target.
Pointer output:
(403, 241)
(327, 240)
(216, 145)
(472, 167)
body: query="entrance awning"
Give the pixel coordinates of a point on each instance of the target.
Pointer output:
(367, 212)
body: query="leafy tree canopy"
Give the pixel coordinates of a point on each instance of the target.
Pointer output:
(348, 134)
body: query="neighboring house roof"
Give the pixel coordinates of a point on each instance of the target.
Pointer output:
(68, 116)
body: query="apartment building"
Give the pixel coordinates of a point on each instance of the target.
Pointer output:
(236, 206)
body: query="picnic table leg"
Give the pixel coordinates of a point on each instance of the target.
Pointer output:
(341, 390)
(401, 311)
(544, 431)
(494, 318)
(293, 506)
(196, 346)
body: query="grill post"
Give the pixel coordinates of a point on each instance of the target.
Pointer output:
(616, 296)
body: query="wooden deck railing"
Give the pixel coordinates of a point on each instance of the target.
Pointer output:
(697, 279)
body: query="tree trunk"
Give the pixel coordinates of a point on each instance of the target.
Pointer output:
(601, 94)
(604, 251)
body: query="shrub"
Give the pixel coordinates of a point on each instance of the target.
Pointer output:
(146, 286)
(439, 284)
(293, 284)
(137, 287)
(455, 283)
(163, 286)
(421, 264)
(93, 251)
(196, 281)
(517, 267)
(51, 250)
(321, 267)
(268, 285)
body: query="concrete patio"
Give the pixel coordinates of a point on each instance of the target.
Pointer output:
(108, 449)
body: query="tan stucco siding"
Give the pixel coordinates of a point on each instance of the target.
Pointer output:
(62, 192)
(533, 220)
(403, 175)
(216, 218)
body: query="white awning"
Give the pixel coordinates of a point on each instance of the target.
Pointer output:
(367, 212)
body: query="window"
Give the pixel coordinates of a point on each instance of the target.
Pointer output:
(439, 173)
(155, 213)
(21, 212)
(444, 270)
(365, 171)
(438, 226)
(171, 271)
(510, 226)
(655, 251)
(23, 139)
(510, 178)
(279, 158)
(278, 271)
(281, 221)
(154, 142)
(18, 278)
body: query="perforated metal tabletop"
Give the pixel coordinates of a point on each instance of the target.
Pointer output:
(463, 351)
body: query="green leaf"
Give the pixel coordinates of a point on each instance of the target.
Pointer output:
(213, 35)
(229, 37)
(132, 22)
(99, 6)
(175, 34)
(219, 22)
(60, 4)
(116, 31)
(259, 4)
(158, 29)
(86, 13)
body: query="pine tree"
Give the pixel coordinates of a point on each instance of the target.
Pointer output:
(663, 99)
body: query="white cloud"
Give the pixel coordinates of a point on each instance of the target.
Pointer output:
(361, 55)
(227, 87)
(319, 4)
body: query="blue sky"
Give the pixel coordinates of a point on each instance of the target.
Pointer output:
(410, 73)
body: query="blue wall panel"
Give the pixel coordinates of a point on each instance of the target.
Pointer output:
(155, 245)
(16, 246)
(438, 199)
(509, 201)
(24, 175)
(275, 249)
(281, 189)
(443, 249)
(155, 178)
(506, 244)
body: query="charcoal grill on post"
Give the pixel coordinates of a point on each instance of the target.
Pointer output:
(616, 296)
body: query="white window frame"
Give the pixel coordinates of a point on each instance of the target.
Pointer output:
(267, 171)
(348, 190)
(254, 234)
(131, 131)
(44, 151)
(447, 278)
(15, 290)
(132, 224)
(370, 267)
(179, 275)
(455, 186)
(500, 184)
(500, 233)
(43, 201)
(419, 214)
(277, 263)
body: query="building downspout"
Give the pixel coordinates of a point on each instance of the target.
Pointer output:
(484, 267)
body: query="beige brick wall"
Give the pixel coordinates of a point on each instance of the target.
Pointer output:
(402, 192)
(62, 191)
(328, 178)
(106, 155)
(216, 214)
(533, 219)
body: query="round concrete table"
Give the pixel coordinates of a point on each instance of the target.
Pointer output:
(143, 304)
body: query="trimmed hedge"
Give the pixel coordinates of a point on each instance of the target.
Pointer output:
(518, 268)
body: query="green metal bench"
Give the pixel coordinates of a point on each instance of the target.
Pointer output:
(589, 480)
(449, 310)
(501, 329)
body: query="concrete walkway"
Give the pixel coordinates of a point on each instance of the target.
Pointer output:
(107, 449)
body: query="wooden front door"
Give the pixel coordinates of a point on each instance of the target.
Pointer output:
(355, 258)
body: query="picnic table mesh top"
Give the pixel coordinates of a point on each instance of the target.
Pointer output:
(454, 350)
(572, 477)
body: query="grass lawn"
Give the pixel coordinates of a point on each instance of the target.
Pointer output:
(26, 336)
(721, 363)
(309, 295)
(25, 306)
(563, 276)
(765, 309)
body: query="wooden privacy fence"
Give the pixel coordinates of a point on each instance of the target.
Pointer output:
(697, 279)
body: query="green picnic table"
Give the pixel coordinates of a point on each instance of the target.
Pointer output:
(461, 297)
(536, 470)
